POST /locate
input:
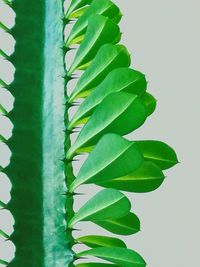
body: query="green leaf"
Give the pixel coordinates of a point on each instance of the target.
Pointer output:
(100, 31)
(149, 102)
(145, 179)
(95, 264)
(77, 13)
(103, 7)
(120, 256)
(127, 225)
(119, 113)
(158, 152)
(94, 241)
(75, 5)
(121, 79)
(107, 204)
(108, 58)
(112, 157)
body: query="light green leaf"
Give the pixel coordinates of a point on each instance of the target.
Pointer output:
(96, 264)
(121, 79)
(100, 31)
(119, 113)
(95, 241)
(112, 157)
(149, 102)
(77, 13)
(120, 256)
(158, 152)
(146, 178)
(108, 58)
(103, 7)
(77, 4)
(107, 204)
(127, 225)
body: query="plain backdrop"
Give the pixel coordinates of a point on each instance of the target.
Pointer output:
(163, 38)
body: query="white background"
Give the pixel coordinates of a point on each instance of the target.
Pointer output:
(163, 38)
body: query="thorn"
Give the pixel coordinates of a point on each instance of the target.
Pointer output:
(3, 54)
(75, 131)
(75, 229)
(2, 204)
(2, 233)
(79, 194)
(3, 140)
(75, 160)
(68, 131)
(4, 27)
(66, 48)
(67, 77)
(64, 160)
(66, 20)
(5, 85)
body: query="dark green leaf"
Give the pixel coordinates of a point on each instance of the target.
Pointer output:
(103, 7)
(95, 241)
(149, 102)
(121, 79)
(119, 113)
(112, 157)
(107, 204)
(120, 256)
(108, 58)
(77, 4)
(127, 225)
(100, 31)
(158, 152)
(145, 179)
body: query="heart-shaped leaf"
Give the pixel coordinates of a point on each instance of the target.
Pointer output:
(100, 31)
(146, 178)
(121, 79)
(120, 256)
(94, 241)
(119, 113)
(158, 152)
(103, 7)
(108, 58)
(77, 4)
(107, 204)
(127, 225)
(112, 157)
(149, 102)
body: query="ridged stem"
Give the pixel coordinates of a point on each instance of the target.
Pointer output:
(68, 165)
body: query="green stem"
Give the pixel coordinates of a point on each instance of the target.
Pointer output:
(37, 171)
